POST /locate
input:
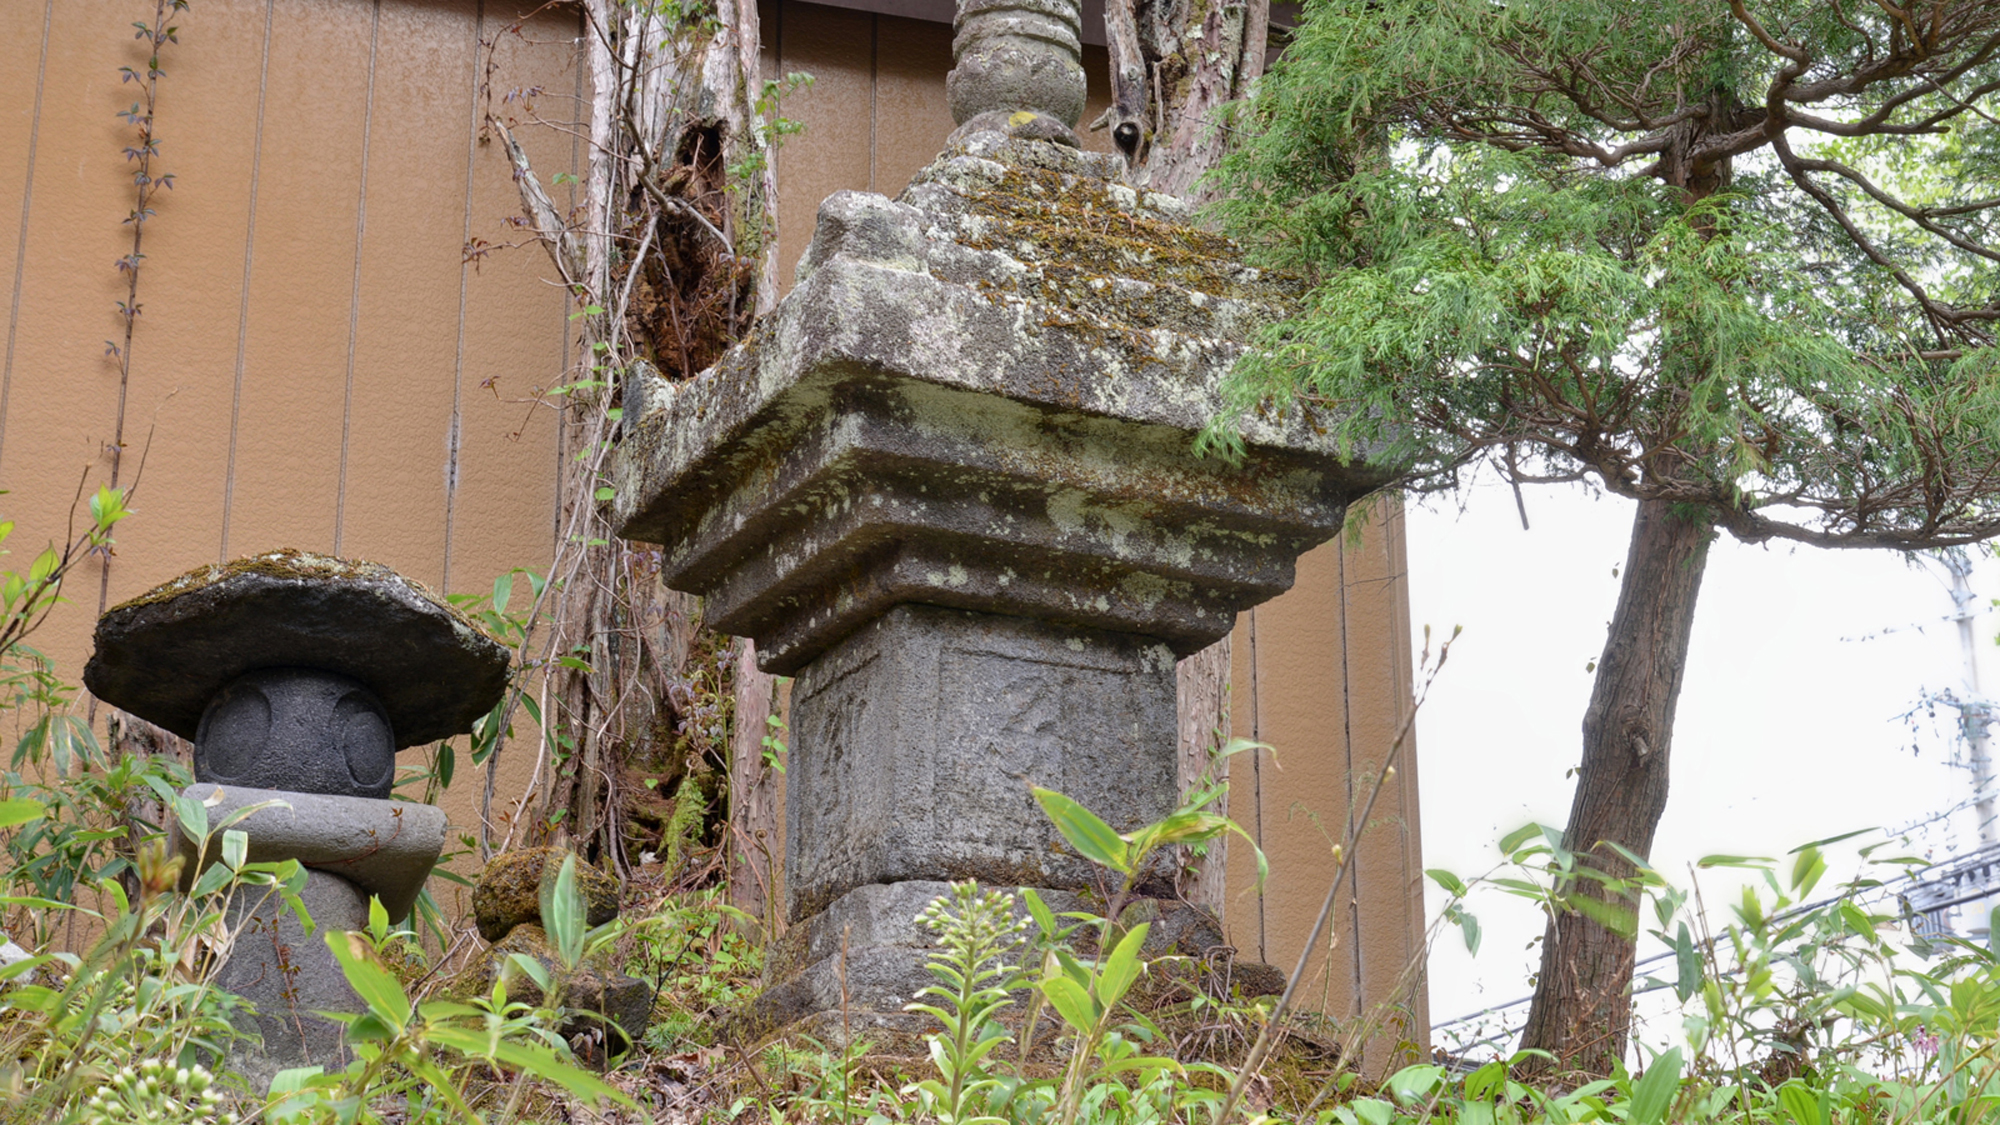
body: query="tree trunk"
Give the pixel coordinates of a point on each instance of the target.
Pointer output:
(1173, 65)
(1201, 685)
(756, 839)
(1194, 57)
(1582, 1008)
(673, 257)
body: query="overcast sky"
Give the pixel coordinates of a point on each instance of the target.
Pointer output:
(1788, 730)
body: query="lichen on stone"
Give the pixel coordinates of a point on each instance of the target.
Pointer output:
(1122, 270)
(292, 563)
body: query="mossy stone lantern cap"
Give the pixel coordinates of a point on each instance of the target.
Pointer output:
(297, 671)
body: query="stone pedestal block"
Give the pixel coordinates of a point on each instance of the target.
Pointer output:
(846, 972)
(915, 742)
(859, 961)
(290, 975)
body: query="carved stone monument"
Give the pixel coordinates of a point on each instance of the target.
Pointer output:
(298, 676)
(950, 485)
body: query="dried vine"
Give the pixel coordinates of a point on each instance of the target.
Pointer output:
(146, 184)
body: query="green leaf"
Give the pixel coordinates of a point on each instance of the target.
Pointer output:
(1142, 1063)
(1189, 828)
(1800, 1104)
(1045, 918)
(1612, 916)
(212, 880)
(1452, 884)
(296, 1094)
(1512, 841)
(1071, 1002)
(1752, 861)
(1486, 1083)
(564, 913)
(19, 810)
(1092, 838)
(503, 591)
(235, 848)
(538, 1061)
(1653, 1094)
(42, 903)
(369, 1028)
(377, 987)
(193, 816)
(1806, 871)
(1415, 1082)
(1122, 967)
(447, 763)
(1373, 1111)
(1688, 961)
(245, 812)
(1469, 926)
(535, 970)
(378, 919)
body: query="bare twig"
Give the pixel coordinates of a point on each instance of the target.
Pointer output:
(1344, 859)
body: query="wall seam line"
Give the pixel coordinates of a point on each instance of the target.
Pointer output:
(455, 435)
(27, 204)
(243, 303)
(354, 296)
(1359, 984)
(1257, 780)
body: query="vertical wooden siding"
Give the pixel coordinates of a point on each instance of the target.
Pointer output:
(316, 364)
(1322, 674)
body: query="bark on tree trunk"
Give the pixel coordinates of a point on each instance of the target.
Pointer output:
(1583, 1006)
(1202, 696)
(1173, 65)
(756, 842)
(1195, 56)
(676, 233)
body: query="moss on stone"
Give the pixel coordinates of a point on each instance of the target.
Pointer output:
(1091, 256)
(509, 891)
(1085, 232)
(291, 563)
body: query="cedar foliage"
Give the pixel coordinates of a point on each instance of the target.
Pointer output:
(1737, 261)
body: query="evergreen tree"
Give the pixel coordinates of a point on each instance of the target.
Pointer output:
(1739, 262)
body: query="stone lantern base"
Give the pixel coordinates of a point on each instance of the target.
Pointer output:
(291, 976)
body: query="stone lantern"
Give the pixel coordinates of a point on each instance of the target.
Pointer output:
(298, 677)
(950, 485)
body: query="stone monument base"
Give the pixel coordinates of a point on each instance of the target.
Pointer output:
(290, 975)
(848, 972)
(916, 740)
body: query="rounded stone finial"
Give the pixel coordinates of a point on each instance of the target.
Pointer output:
(166, 654)
(1015, 57)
